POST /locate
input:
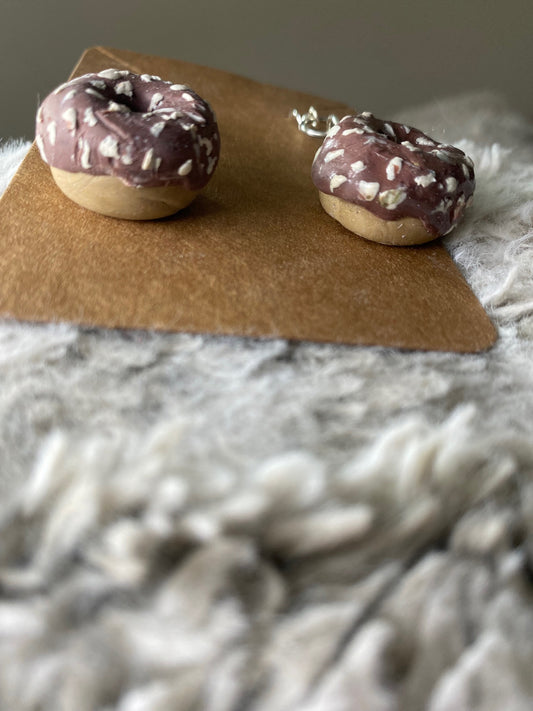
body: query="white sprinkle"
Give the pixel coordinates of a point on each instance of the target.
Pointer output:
(442, 155)
(410, 146)
(167, 114)
(423, 141)
(336, 181)
(208, 145)
(393, 167)
(156, 129)
(333, 154)
(93, 92)
(349, 131)
(469, 161)
(124, 87)
(389, 129)
(443, 205)
(333, 131)
(156, 99)
(425, 180)
(40, 146)
(459, 207)
(185, 168)
(109, 147)
(85, 156)
(98, 84)
(109, 74)
(195, 117)
(157, 163)
(465, 170)
(178, 87)
(366, 114)
(155, 77)
(147, 160)
(68, 96)
(187, 97)
(392, 198)
(146, 77)
(451, 184)
(70, 118)
(211, 162)
(89, 117)
(51, 128)
(358, 166)
(368, 191)
(407, 129)
(126, 159)
(121, 108)
(165, 110)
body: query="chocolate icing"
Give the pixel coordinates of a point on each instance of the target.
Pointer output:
(139, 128)
(394, 171)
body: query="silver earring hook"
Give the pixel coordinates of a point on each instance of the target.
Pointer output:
(312, 124)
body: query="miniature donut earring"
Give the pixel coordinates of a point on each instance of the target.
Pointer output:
(127, 145)
(385, 181)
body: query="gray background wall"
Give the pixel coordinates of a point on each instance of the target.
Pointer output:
(375, 55)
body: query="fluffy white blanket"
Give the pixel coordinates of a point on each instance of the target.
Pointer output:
(232, 525)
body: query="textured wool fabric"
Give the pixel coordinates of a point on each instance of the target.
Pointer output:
(194, 522)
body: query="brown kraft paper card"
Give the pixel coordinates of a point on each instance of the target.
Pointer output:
(254, 255)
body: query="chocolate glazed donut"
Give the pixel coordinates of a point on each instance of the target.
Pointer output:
(391, 183)
(128, 145)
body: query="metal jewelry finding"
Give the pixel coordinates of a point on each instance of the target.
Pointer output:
(312, 124)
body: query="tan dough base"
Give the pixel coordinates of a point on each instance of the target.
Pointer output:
(405, 232)
(110, 196)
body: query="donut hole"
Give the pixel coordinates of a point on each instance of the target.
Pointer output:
(140, 102)
(147, 98)
(106, 98)
(136, 99)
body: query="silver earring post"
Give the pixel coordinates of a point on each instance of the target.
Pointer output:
(312, 124)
